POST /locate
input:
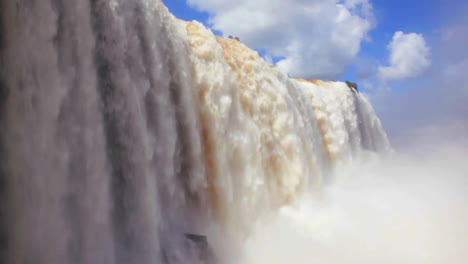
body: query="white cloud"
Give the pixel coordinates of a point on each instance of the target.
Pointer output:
(409, 57)
(318, 38)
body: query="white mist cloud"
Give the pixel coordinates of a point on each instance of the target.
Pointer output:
(318, 38)
(409, 57)
(400, 209)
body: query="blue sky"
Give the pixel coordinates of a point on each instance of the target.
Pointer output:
(183, 11)
(390, 16)
(410, 56)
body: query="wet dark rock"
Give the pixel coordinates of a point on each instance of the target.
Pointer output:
(197, 238)
(352, 85)
(203, 251)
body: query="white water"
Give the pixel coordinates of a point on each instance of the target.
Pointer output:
(123, 128)
(272, 139)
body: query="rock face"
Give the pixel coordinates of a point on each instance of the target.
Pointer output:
(352, 85)
(123, 128)
(202, 250)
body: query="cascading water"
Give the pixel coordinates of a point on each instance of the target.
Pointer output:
(126, 133)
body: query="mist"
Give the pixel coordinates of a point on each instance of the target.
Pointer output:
(401, 208)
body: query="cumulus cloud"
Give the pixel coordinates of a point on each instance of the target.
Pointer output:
(317, 38)
(409, 57)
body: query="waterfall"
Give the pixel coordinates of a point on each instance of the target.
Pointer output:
(122, 129)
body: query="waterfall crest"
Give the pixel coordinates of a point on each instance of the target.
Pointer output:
(123, 128)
